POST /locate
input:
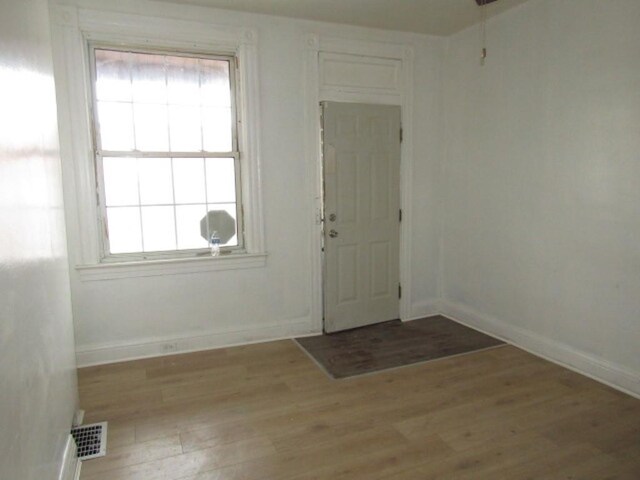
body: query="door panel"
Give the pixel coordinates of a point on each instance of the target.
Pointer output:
(361, 155)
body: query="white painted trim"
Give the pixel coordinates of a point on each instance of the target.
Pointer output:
(71, 74)
(70, 469)
(349, 96)
(367, 48)
(423, 310)
(98, 354)
(314, 172)
(171, 266)
(72, 28)
(329, 88)
(406, 183)
(314, 44)
(78, 418)
(191, 33)
(599, 369)
(249, 139)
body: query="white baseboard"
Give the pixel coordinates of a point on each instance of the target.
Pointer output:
(607, 372)
(604, 371)
(420, 310)
(99, 354)
(71, 464)
(78, 418)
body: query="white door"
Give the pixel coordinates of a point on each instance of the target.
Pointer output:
(361, 163)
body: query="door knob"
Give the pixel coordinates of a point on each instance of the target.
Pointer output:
(333, 233)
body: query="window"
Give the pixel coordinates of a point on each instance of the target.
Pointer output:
(166, 149)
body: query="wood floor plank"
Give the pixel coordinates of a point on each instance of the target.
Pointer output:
(220, 434)
(377, 463)
(179, 466)
(120, 457)
(120, 434)
(266, 412)
(192, 416)
(488, 460)
(298, 464)
(535, 465)
(606, 426)
(600, 466)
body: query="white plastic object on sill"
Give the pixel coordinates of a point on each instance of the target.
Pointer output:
(214, 244)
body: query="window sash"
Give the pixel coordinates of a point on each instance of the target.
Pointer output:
(164, 154)
(177, 253)
(233, 83)
(99, 154)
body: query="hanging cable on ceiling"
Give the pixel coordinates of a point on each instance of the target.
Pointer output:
(483, 30)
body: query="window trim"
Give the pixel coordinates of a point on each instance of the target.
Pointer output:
(99, 153)
(72, 30)
(169, 266)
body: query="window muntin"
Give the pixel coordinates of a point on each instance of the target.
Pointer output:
(167, 148)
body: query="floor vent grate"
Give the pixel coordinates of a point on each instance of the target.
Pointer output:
(91, 440)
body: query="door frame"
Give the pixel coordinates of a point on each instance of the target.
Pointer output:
(315, 92)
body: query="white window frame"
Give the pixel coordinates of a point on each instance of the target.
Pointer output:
(106, 255)
(73, 31)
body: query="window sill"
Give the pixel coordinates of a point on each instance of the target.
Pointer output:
(174, 266)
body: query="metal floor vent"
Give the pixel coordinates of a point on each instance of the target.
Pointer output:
(91, 440)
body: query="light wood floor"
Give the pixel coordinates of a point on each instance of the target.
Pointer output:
(267, 412)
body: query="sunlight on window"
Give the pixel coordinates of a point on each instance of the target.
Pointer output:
(221, 180)
(185, 128)
(188, 180)
(188, 226)
(125, 234)
(113, 76)
(116, 125)
(121, 181)
(216, 128)
(166, 137)
(155, 181)
(158, 228)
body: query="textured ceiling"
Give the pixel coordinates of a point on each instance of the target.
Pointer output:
(435, 17)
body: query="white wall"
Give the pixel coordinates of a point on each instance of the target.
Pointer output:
(37, 379)
(541, 232)
(141, 316)
(428, 152)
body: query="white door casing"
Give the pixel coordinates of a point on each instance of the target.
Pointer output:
(361, 171)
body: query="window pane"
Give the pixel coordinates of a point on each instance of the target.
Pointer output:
(216, 129)
(185, 128)
(120, 181)
(188, 219)
(152, 132)
(230, 208)
(158, 227)
(116, 126)
(221, 180)
(156, 186)
(113, 76)
(155, 102)
(215, 83)
(124, 229)
(183, 80)
(149, 78)
(188, 178)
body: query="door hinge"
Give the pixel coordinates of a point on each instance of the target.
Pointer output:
(399, 291)
(401, 134)
(400, 215)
